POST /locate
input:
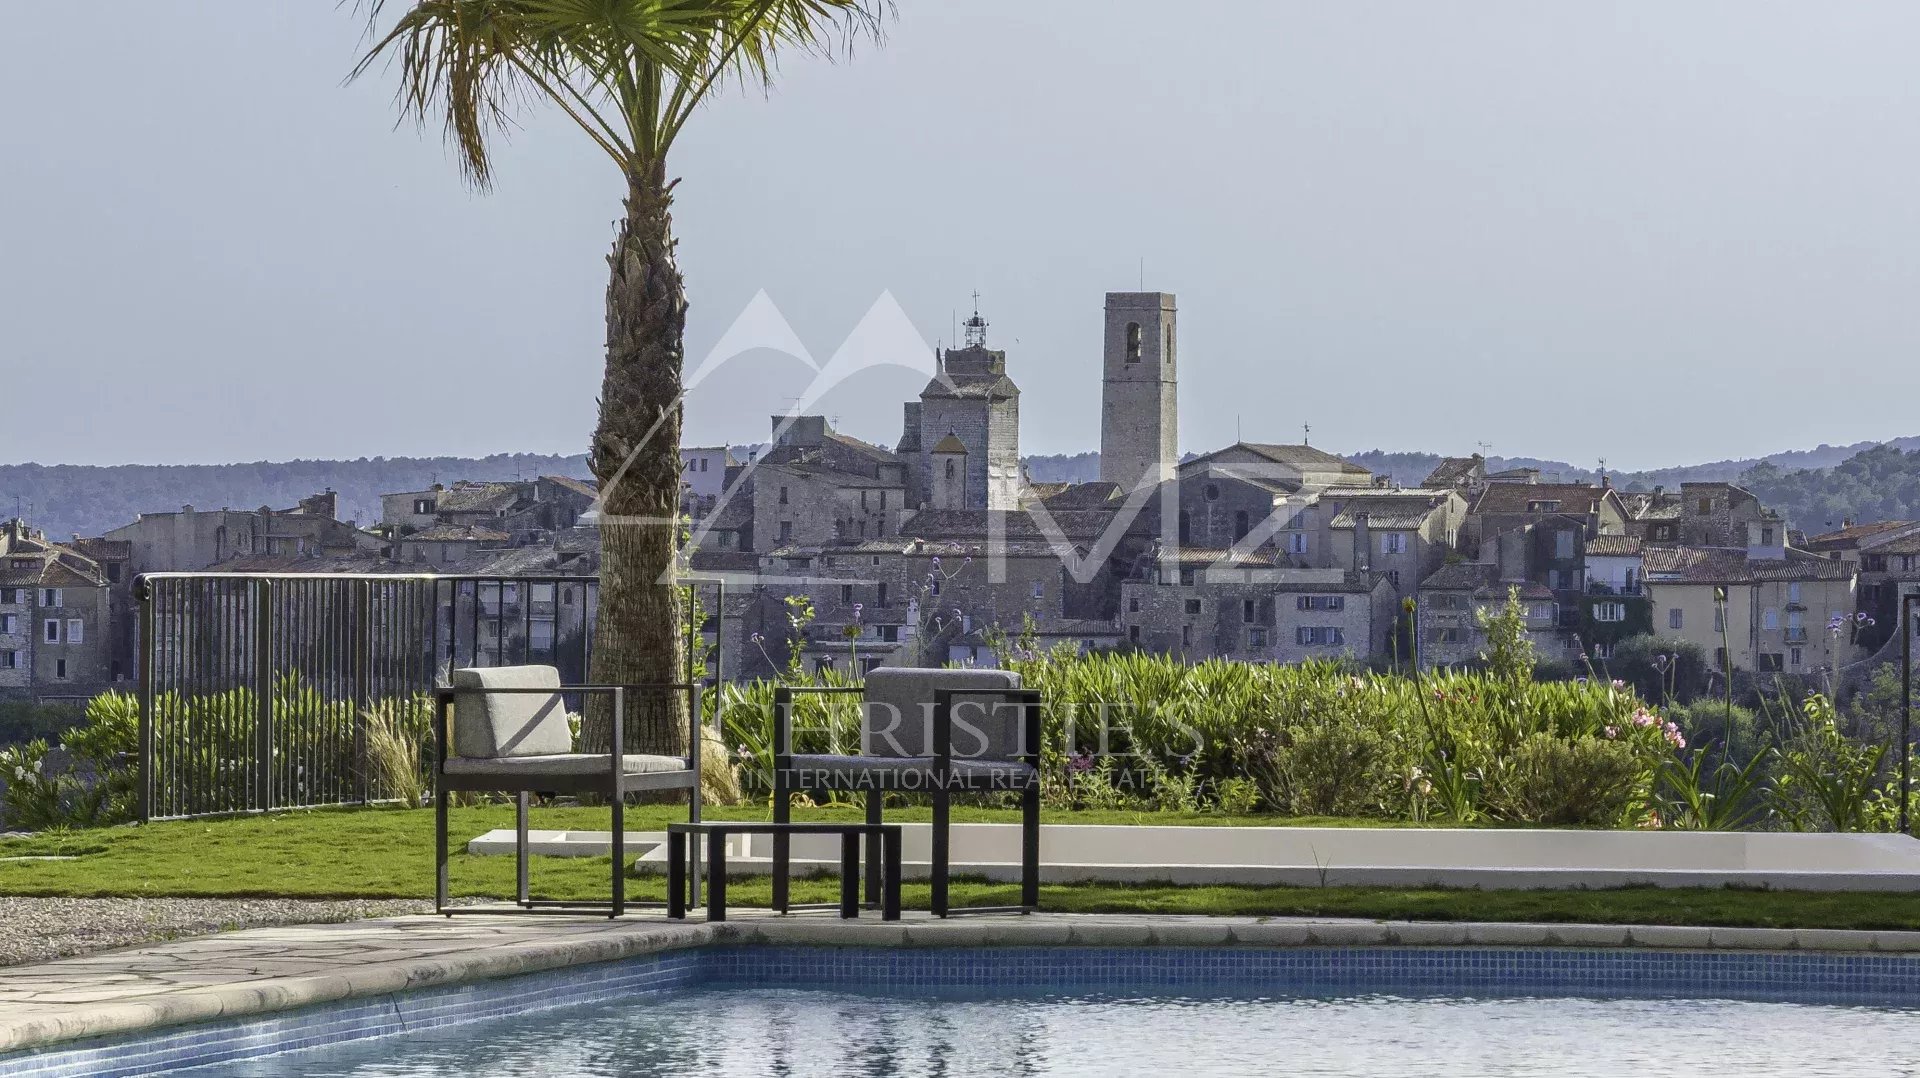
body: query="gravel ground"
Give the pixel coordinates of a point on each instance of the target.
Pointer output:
(38, 929)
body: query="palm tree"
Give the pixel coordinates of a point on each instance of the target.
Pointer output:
(630, 73)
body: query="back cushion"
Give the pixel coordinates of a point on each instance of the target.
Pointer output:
(897, 713)
(493, 725)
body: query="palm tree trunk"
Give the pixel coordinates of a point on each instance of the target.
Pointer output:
(636, 458)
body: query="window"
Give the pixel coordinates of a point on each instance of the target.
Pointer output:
(1543, 507)
(9, 660)
(1393, 578)
(1256, 638)
(1247, 611)
(1133, 342)
(1719, 619)
(783, 495)
(1240, 526)
(1541, 611)
(113, 572)
(703, 464)
(24, 563)
(1321, 602)
(846, 594)
(1563, 545)
(1186, 636)
(890, 634)
(1793, 592)
(1676, 618)
(1766, 536)
(60, 669)
(540, 634)
(934, 584)
(53, 631)
(1603, 651)
(1193, 606)
(1393, 543)
(1772, 620)
(1772, 662)
(1609, 612)
(1133, 605)
(1706, 506)
(1719, 658)
(881, 597)
(1133, 633)
(1873, 563)
(1311, 636)
(10, 596)
(1186, 577)
(1039, 590)
(9, 624)
(1186, 527)
(862, 529)
(422, 506)
(53, 597)
(1449, 636)
(863, 501)
(1297, 543)
(786, 531)
(1797, 656)
(76, 631)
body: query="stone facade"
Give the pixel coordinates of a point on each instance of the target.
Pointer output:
(1211, 604)
(56, 628)
(1139, 403)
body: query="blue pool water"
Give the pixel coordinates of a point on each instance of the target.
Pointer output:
(790, 1032)
(1313, 1011)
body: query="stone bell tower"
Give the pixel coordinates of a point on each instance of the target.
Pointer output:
(1139, 428)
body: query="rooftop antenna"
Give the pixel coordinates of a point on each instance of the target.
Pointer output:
(1486, 448)
(1143, 273)
(976, 326)
(1306, 434)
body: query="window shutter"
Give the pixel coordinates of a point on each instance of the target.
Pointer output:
(76, 631)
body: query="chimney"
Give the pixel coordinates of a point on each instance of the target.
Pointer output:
(1362, 543)
(1606, 481)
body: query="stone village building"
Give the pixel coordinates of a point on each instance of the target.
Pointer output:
(56, 618)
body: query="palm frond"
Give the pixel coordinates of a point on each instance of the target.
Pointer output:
(628, 72)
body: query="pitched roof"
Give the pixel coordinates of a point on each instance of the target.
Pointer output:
(578, 486)
(1851, 537)
(950, 444)
(1481, 578)
(457, 533)
(1387, 509)
(1614, 546)
(477, 497)
(1579, 498)
(1451, 470)
(1729, 565)
(1303, 457)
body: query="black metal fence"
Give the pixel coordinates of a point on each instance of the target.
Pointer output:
(260, 692)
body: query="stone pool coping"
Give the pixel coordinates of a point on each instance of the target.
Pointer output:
(264, 971)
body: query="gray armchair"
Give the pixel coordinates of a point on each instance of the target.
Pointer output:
(929, 731)
(508, 733)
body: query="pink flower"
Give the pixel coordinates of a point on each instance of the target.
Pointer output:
(1612, 732)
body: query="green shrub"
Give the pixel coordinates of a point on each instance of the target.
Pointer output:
(1580, 782)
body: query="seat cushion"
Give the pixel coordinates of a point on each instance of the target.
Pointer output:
(490, 725)
(572, 763)
(897, 712)
(908, 774)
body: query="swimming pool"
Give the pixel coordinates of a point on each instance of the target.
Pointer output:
(1314, 1010)
(791, 1032)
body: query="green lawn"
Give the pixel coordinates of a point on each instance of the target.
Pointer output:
(387, 853)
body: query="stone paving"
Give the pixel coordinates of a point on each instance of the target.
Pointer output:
(271, 969)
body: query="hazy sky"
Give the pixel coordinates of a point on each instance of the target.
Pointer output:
(1652, 231)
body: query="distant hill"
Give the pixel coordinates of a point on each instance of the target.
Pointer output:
(64, 499)
(1864, 481)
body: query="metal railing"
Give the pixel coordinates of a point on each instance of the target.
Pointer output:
(258, 691)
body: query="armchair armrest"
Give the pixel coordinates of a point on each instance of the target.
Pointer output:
(444, 697)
